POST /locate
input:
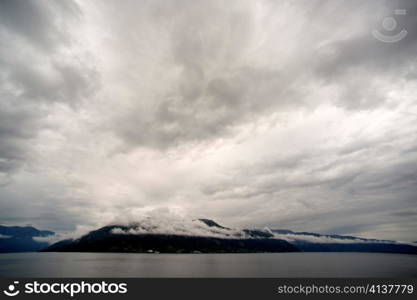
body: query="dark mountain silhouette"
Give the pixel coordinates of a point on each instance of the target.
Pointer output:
(20, 239)
(104, 240)
(341, 243)
(211, 223)
(119, 238)
(116, 238)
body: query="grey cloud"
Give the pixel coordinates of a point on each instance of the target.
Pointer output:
(346, 184)
(34, 71)
(216, 90)
(353, 63)
(38, 21)
(361, 51)
(346, 229)
(405, 213)
(67, 83)
(219, 88)
(18, 123)
(37, 201)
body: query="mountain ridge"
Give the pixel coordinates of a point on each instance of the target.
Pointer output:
(106, 240)
(207, 236)
(221, 239)
(21, 238)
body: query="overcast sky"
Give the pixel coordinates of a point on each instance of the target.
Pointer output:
(287, 114)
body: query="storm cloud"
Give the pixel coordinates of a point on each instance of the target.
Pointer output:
(286, 114)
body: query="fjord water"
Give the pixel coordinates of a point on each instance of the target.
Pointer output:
(207, 265)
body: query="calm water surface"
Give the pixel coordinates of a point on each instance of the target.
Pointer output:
(208, 265)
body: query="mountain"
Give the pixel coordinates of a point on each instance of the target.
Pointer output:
(113, 239)
(315, 242)
(211, 223)
(256, 233)
(335, 236)
(207, 236)
(21, 239)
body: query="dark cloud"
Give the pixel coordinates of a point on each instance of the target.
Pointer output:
(41, 23)
(405, 213)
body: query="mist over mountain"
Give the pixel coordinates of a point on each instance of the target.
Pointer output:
(314, 242)
(107, 239)
(207, 236)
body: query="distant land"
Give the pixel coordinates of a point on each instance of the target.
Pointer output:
(21, 239)
(210, 237)
(103, 240)
(199, 236)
